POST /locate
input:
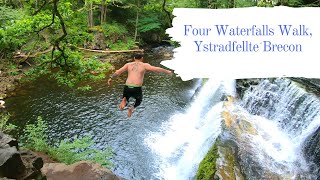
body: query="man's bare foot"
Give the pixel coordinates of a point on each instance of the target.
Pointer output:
(123, 103)
(130, 111)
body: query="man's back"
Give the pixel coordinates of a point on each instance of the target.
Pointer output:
(136, 72)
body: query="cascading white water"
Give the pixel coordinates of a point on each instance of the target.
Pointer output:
(285, 102)
(284, 115)
(186, 137)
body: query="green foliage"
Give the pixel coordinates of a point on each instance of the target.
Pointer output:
(13, 73)
(12, 66)
(85, 88)
(4, 125)
(122, 45)
(245, 3)
(77, 29)
(35, 72)
(36, 137)
(70, 152)
(81, 69)
(114, 28)
(265, 3)
(67, 151)
(295, 3)
(67, 79)
(207, 167)
(149, 23)
(8, 14)
(17, 32)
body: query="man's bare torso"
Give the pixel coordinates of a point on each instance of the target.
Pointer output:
(136, 72)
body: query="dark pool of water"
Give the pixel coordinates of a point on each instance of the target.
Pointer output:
(70, 113)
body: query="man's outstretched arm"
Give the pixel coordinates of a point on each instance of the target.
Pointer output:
(157, 69)
(117, 73)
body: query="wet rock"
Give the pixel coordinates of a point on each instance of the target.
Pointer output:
(220, 162)
(244, 84)
(165, 52)
(311, 85)
(240, 127)
(312, 150)
(83, 170)
(227, 164)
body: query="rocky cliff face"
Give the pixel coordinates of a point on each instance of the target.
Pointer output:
(18, 164)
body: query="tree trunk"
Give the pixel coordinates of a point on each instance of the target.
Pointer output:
(232, 4)
(103, 15)
(90, 16)
(167, 12)
(137, 21)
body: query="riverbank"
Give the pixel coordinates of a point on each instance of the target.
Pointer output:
(17, 163)
(10, 75)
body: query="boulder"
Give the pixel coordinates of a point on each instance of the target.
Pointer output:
(227, 163)
(83, 170)
(11, 164)
(99, 41)
(7, 140)
(33, 164)
(18, 164)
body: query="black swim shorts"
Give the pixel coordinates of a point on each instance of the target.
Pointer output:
(133, 91)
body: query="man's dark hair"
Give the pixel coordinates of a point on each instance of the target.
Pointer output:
(137, 56)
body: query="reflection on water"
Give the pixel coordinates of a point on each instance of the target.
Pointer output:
(70, 113)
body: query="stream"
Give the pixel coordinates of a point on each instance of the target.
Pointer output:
(71, 113)
(172, 130)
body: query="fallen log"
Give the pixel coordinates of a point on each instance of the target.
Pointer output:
(107, 51)
(26, 56)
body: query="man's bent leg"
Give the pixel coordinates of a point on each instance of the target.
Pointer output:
(130, 111)
(125, 97)
(123, 103)
(137, 94)
(136, 104)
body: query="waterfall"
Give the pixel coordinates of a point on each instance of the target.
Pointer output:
(273, 121)
(284, 115)
(283, 101)
(186, 137)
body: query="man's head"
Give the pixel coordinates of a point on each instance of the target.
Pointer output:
(138, 56)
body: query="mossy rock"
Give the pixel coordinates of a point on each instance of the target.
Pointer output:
(207, 167)
(204, 80)
(2, 96)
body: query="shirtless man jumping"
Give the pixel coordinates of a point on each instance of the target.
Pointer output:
(133, 86)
